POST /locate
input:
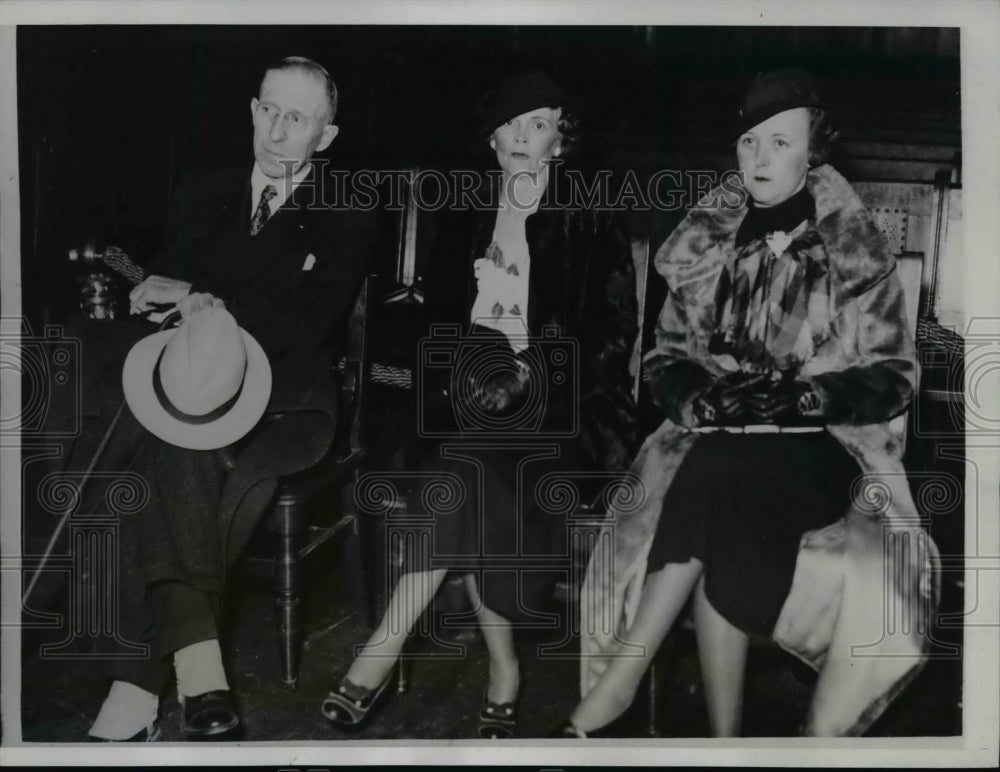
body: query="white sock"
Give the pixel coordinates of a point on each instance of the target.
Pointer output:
(126, 711)
(199, 668)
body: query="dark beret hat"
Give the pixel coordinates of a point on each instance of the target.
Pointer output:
(519, 94)
(774, 92)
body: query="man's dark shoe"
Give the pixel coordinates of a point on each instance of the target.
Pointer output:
(209, 715)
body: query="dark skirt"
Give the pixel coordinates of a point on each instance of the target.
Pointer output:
(486, 499)
(502, 524)
(740, 504)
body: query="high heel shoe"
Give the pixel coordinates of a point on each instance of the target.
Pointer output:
(568, 731)
(623, 726)
(350, 705)
(498, 721)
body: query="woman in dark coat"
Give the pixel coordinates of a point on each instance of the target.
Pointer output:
(530, 379)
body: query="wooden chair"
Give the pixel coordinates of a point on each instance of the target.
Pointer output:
(333, 476)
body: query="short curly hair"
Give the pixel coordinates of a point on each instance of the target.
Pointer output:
(822, 136)
(568, 126)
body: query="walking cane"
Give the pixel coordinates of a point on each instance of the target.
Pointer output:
(73, 501)
(170, 318)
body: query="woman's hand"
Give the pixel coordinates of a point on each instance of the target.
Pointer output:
(503, 391)
(779, 399)
(724, 402)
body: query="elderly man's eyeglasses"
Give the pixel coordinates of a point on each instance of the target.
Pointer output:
(292, 119)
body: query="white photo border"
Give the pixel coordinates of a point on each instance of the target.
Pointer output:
(980, 26)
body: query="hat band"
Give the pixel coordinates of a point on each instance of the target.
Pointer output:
(187, 418)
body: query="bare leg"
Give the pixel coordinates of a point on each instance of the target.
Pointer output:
(412, 594)
(722, 649)
(663, 597)
(505, 677)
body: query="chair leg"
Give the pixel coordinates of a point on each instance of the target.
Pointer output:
(653, 701)
(403, 673)
(288, 524)
(393, 570)
(361, 559)
(357, 580)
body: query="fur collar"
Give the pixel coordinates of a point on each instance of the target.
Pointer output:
(699, 247)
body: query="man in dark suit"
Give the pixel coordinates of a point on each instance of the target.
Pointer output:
(288, 268)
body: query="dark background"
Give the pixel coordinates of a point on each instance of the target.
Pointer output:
(111, 117)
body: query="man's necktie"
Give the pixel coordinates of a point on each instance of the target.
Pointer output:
(263, 209)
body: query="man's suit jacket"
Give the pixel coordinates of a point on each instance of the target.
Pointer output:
(293, 287)
(297, 315)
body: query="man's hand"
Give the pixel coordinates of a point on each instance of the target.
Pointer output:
(157, 290)
(198, 301)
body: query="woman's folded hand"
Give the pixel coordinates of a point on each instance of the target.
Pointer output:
(778, 399)
(503, 391)
(725, 401)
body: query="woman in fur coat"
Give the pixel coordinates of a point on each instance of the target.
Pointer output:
(535, 312)
(782, 352)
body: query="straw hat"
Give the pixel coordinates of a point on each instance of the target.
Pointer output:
(200, 386)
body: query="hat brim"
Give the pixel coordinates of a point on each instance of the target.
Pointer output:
(137, 383)
(762, 114)
(489, 124)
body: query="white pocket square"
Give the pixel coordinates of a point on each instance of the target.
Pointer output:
(309, 263)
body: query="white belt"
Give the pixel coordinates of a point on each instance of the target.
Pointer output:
(759, 429)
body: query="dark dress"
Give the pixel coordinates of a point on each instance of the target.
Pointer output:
(741, 502)
(576, 415)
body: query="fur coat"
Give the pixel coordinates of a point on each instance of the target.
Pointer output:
(581, 290)
(865, 587)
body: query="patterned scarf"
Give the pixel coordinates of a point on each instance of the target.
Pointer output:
(772, 300)
(502, 298)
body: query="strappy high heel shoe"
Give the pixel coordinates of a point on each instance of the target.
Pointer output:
(350, 705)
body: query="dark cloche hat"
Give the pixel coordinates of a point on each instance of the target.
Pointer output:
(774, 92)
(519, 94)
